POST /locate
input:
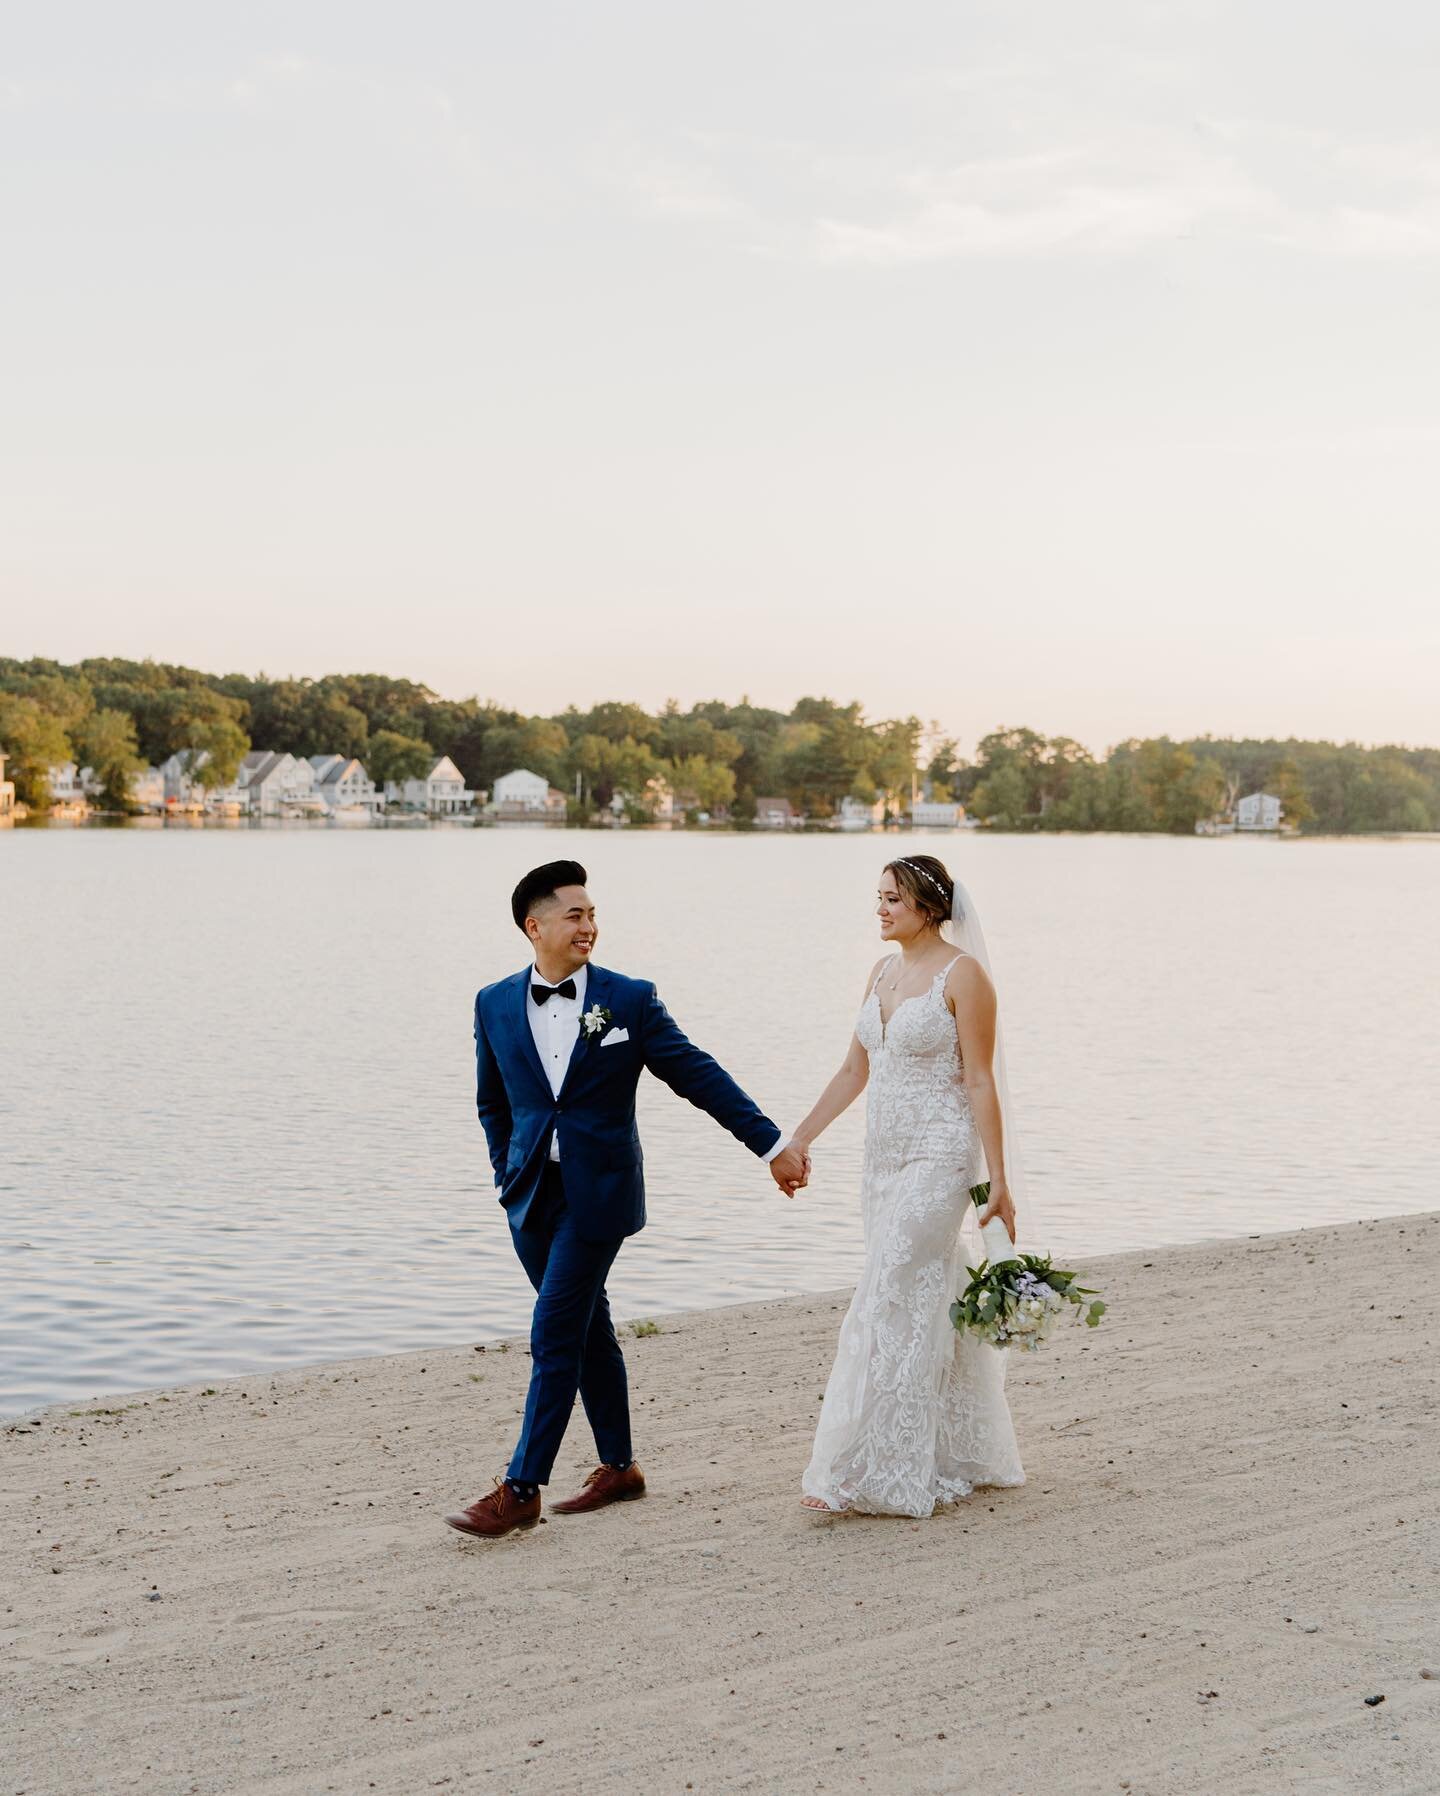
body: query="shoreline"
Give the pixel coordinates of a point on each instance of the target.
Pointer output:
(150, 821)
(1224, 1545)
(130, 1398)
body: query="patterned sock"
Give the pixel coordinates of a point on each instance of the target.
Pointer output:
(522, 1490)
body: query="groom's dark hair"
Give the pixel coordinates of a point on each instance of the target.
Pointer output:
(541, 883)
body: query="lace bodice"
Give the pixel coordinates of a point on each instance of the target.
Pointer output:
(917, 1099)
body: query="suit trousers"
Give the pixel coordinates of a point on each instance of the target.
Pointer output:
(572, 1339)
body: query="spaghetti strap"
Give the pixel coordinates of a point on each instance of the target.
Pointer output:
(946, 968)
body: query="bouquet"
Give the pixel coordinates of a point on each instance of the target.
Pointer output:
(1014, 1300)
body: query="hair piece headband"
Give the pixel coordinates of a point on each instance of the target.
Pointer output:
(923, 874)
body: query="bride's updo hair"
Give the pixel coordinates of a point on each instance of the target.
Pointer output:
(926, 884)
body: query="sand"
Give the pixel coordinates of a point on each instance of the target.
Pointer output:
(1227, 1542)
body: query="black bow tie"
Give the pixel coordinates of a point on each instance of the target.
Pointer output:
(542, 994)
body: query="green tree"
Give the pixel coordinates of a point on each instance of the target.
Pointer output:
(711, 785)
(395, 757)
(607, 767)
(1286, 783)
(34, 741)
(1012, 778)
(615, 721)
(680, 737)
(488, 749)
(1083, 803)
(447, 721)
(106, 744)
(893, 760)
(1180, 789)
(1000, 798)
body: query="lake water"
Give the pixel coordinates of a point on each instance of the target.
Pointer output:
(236, 1088)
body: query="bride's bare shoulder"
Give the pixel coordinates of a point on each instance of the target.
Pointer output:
(968, 982)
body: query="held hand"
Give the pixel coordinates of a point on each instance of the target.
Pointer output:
(1002, 1206)
(790, 1169)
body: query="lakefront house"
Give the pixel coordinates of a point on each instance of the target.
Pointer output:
(179, 774)
(70, 791)
(936, 813)
(7, 792)
(277, 784)
(1259, 810)
(267, 783)
(441, 793)
(344, 785)
(859, 813)
(524, 797)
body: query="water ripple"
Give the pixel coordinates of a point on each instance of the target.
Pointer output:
(236, 1098)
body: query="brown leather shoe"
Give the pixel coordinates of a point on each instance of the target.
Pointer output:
(605, 1485)
(497, 1514)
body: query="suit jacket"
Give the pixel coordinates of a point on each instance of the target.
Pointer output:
(603, 1164)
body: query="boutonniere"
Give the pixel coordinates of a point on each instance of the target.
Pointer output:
(595, 1021)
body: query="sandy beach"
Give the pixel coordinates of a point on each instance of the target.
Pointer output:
(1226, 1543)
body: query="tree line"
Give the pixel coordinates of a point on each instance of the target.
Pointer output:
(117, 716)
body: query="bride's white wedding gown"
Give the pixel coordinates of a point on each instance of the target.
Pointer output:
(914, 1413)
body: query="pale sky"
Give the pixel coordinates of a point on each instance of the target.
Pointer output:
(1013, 362)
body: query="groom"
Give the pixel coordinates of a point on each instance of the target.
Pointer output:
(559, 1050)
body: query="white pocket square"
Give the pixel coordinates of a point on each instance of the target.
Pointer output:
(609, 1040)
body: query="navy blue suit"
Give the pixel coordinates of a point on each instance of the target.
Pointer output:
(568, 1221)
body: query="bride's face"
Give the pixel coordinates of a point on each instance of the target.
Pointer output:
(899, 920)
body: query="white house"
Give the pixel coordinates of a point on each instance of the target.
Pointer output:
(63, 780)
(68, 791)
(343, 784)
(524, 796)
(935, 813)
(1259, 810)
(260, 781)
(272, 783)
(442, 792)
(859, 813)
(179, 771)
(7, 791)
(521, 788)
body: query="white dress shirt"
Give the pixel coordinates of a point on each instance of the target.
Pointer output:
(555, 1025)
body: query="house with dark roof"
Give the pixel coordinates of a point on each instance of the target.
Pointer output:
(343, 784)
(276, 784)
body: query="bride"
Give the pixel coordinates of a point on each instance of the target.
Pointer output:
(915, 1413)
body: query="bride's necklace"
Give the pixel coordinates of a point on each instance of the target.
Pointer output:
(900, 973)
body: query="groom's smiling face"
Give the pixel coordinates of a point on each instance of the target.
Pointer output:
(563, 929)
